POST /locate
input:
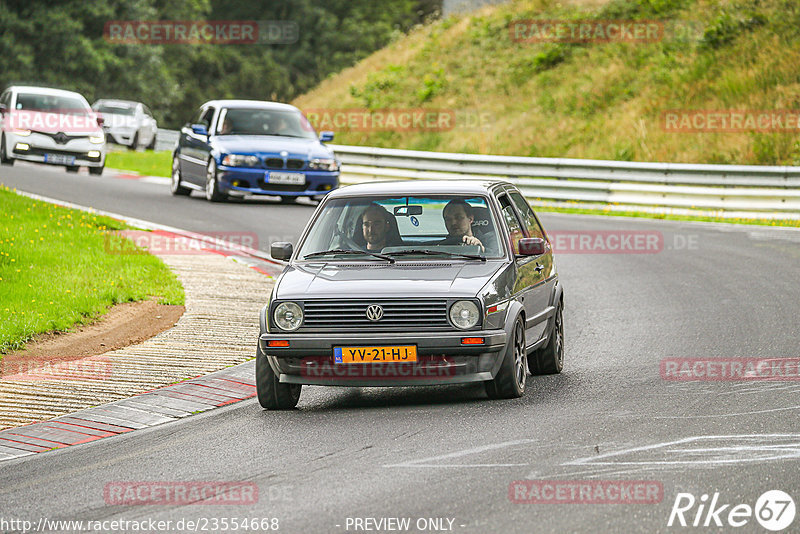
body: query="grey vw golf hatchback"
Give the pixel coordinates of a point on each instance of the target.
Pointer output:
(413, 283)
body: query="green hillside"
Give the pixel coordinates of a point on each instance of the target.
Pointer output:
(600, 100)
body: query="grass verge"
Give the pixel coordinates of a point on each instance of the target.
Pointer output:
(147, 163)
(55, 270)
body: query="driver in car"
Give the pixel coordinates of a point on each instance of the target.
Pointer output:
(458, 219)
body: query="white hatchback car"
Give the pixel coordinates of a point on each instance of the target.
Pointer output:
(127, 123)
(50, 126)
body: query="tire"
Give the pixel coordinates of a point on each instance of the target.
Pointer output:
(272, 394)
(73, 168)
(96, 171)
(134, 142)
(289, 200)
(213, 194)
(152, 145)
(510, 380)
(549, 360)
(175, 186)
(4, 159)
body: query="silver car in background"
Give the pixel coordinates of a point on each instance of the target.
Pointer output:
(127, 123)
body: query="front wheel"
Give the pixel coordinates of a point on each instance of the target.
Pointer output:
(96, 171)
(272, 394)
(73, 168)
(213, 194)
(549, 360)
(4, 159)
(175, 186)
(152, 145)
(135, 142)
(510, 380)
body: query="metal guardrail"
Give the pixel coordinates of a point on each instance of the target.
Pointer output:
(166, 139)
(747, 190)
(739, 188)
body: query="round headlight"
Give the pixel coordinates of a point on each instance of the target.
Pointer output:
(288, 316)
(464, 314)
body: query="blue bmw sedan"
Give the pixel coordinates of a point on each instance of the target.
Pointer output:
(250, 147)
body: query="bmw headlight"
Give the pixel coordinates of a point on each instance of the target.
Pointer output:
(288, 316)
(323, 164)
(240, 160)
(464, 314)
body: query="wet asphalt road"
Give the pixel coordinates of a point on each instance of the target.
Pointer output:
(445, 457)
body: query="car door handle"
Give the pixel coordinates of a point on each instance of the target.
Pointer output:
(538, 268)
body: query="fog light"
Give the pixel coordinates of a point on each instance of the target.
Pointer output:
(472, 341)
(22, 146)
(93, 154)
(278, 343)
(327, 187)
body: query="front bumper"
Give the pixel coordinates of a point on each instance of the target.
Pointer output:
(42, 149)
(442, 358)
(254, 181)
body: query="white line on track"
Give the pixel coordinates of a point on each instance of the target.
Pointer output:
(426, 462)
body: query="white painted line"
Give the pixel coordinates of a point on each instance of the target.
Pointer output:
(725, 414)
(425, 462)
(793, 451)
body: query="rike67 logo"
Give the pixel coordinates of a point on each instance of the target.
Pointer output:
(774, 510)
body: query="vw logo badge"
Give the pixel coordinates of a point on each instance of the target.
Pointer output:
(374, 312)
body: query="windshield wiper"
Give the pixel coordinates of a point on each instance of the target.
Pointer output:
(428, 252)
(349, 251)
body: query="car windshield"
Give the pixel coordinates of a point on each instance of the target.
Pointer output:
(286, 123)
(425, 228)
(116, 109)
(63, 105)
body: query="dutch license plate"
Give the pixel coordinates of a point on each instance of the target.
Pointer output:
(59, 159)
(397, 354)
(287, 178)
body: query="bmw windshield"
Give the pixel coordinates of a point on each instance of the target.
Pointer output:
(277, 122)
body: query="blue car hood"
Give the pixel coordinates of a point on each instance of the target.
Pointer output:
(268, 144)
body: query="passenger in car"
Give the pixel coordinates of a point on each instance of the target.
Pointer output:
(378, 229)
(458, 219)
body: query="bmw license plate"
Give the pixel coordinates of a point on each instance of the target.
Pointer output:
(59, 159)
(399, 354)
(286, 178)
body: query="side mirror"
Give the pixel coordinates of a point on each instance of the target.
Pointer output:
(3, 109)
(100, 121)
(281, 251)
(326, 136)
(199, 129)
(531, 246)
